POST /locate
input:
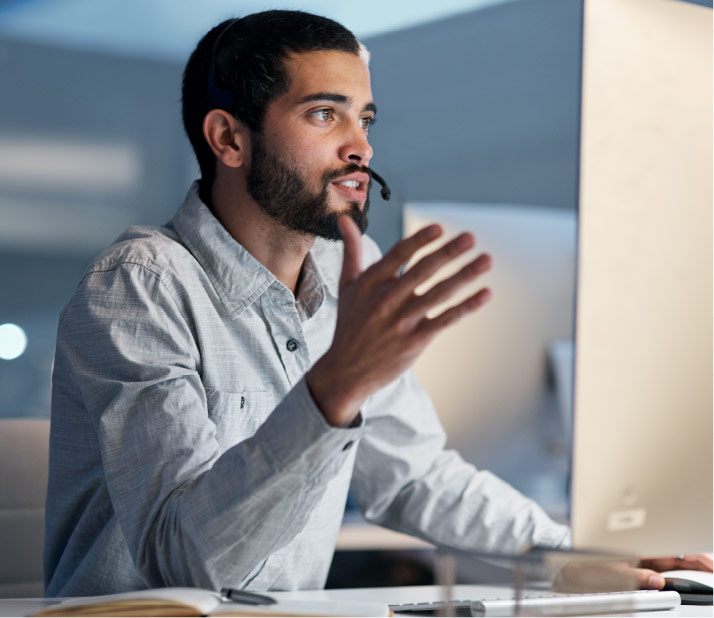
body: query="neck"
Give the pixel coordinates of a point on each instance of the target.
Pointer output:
(280, 250)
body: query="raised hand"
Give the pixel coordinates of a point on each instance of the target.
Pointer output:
(382, 323)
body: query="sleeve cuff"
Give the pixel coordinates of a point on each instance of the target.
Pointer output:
(297, 432)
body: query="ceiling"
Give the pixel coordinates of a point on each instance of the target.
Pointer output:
(169, 29)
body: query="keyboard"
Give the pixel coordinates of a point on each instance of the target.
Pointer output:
(550, 604)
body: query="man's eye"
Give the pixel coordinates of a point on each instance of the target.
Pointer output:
(323, 114)
(367, 122)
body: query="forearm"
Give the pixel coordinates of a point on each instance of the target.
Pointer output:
(456, 505)
(405, 480)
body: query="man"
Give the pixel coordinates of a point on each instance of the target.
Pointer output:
(222, 381)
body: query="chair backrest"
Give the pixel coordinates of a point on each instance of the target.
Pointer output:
(24, 451)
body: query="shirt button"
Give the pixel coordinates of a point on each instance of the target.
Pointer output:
(348, 446)
(292, 345)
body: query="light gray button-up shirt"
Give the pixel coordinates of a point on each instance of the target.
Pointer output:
(186, 449)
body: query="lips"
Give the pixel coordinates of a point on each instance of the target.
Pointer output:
(358, 180)
(353, 186)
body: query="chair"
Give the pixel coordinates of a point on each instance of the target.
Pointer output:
(24, 451)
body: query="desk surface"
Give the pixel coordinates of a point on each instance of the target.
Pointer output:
(406, 594)
(358, 534)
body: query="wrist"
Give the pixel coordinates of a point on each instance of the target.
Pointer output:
(335, 401)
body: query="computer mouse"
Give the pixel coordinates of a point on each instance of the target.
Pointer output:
(692, 582)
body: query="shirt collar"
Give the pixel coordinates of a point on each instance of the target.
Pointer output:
(326, 258)
(236, 275)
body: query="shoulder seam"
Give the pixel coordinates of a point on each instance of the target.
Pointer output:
(154, 271)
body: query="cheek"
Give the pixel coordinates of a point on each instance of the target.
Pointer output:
(288, 148)
(307, 155)
(308, 161)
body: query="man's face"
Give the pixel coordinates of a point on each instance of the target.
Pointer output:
(308, 165)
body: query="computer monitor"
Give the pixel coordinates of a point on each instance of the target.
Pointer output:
(492, 375)
(641, 476)
(642, 443)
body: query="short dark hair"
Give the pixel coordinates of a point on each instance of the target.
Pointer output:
(238, 66)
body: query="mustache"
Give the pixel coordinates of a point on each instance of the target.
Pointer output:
(328, 177)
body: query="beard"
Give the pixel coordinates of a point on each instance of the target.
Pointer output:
(282, 193)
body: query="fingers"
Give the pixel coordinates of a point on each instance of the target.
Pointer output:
(400, 253)
(647, 579)
(352, 258)
(433, 325)
(706, 561)
(431, 263)
(601, 576)
(445, 289)
(401, 296)
(694, 562)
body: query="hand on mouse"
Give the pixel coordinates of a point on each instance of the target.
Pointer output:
(613, 575)
(648, 569)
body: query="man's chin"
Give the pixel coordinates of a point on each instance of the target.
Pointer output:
(358, 212)
(345, 207)
(329, 229)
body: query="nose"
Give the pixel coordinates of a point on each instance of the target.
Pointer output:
(356, 148)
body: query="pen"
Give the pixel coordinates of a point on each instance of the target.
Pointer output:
(248, 598)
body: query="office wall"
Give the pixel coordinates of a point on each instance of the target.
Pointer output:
(89, 144)
(482, 107)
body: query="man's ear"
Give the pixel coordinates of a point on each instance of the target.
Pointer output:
(226, 136)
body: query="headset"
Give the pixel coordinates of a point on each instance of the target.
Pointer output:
(385, 191)
(220, 98)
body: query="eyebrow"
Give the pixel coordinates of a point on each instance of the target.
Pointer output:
(336, 98)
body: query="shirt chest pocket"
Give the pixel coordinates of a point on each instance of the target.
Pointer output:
(237, 415)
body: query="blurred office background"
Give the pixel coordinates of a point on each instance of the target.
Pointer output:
(478, 104)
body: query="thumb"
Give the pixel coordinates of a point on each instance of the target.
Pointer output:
(647, 579)
(352, 259)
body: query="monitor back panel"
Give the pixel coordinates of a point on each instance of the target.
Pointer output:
(642, 459)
